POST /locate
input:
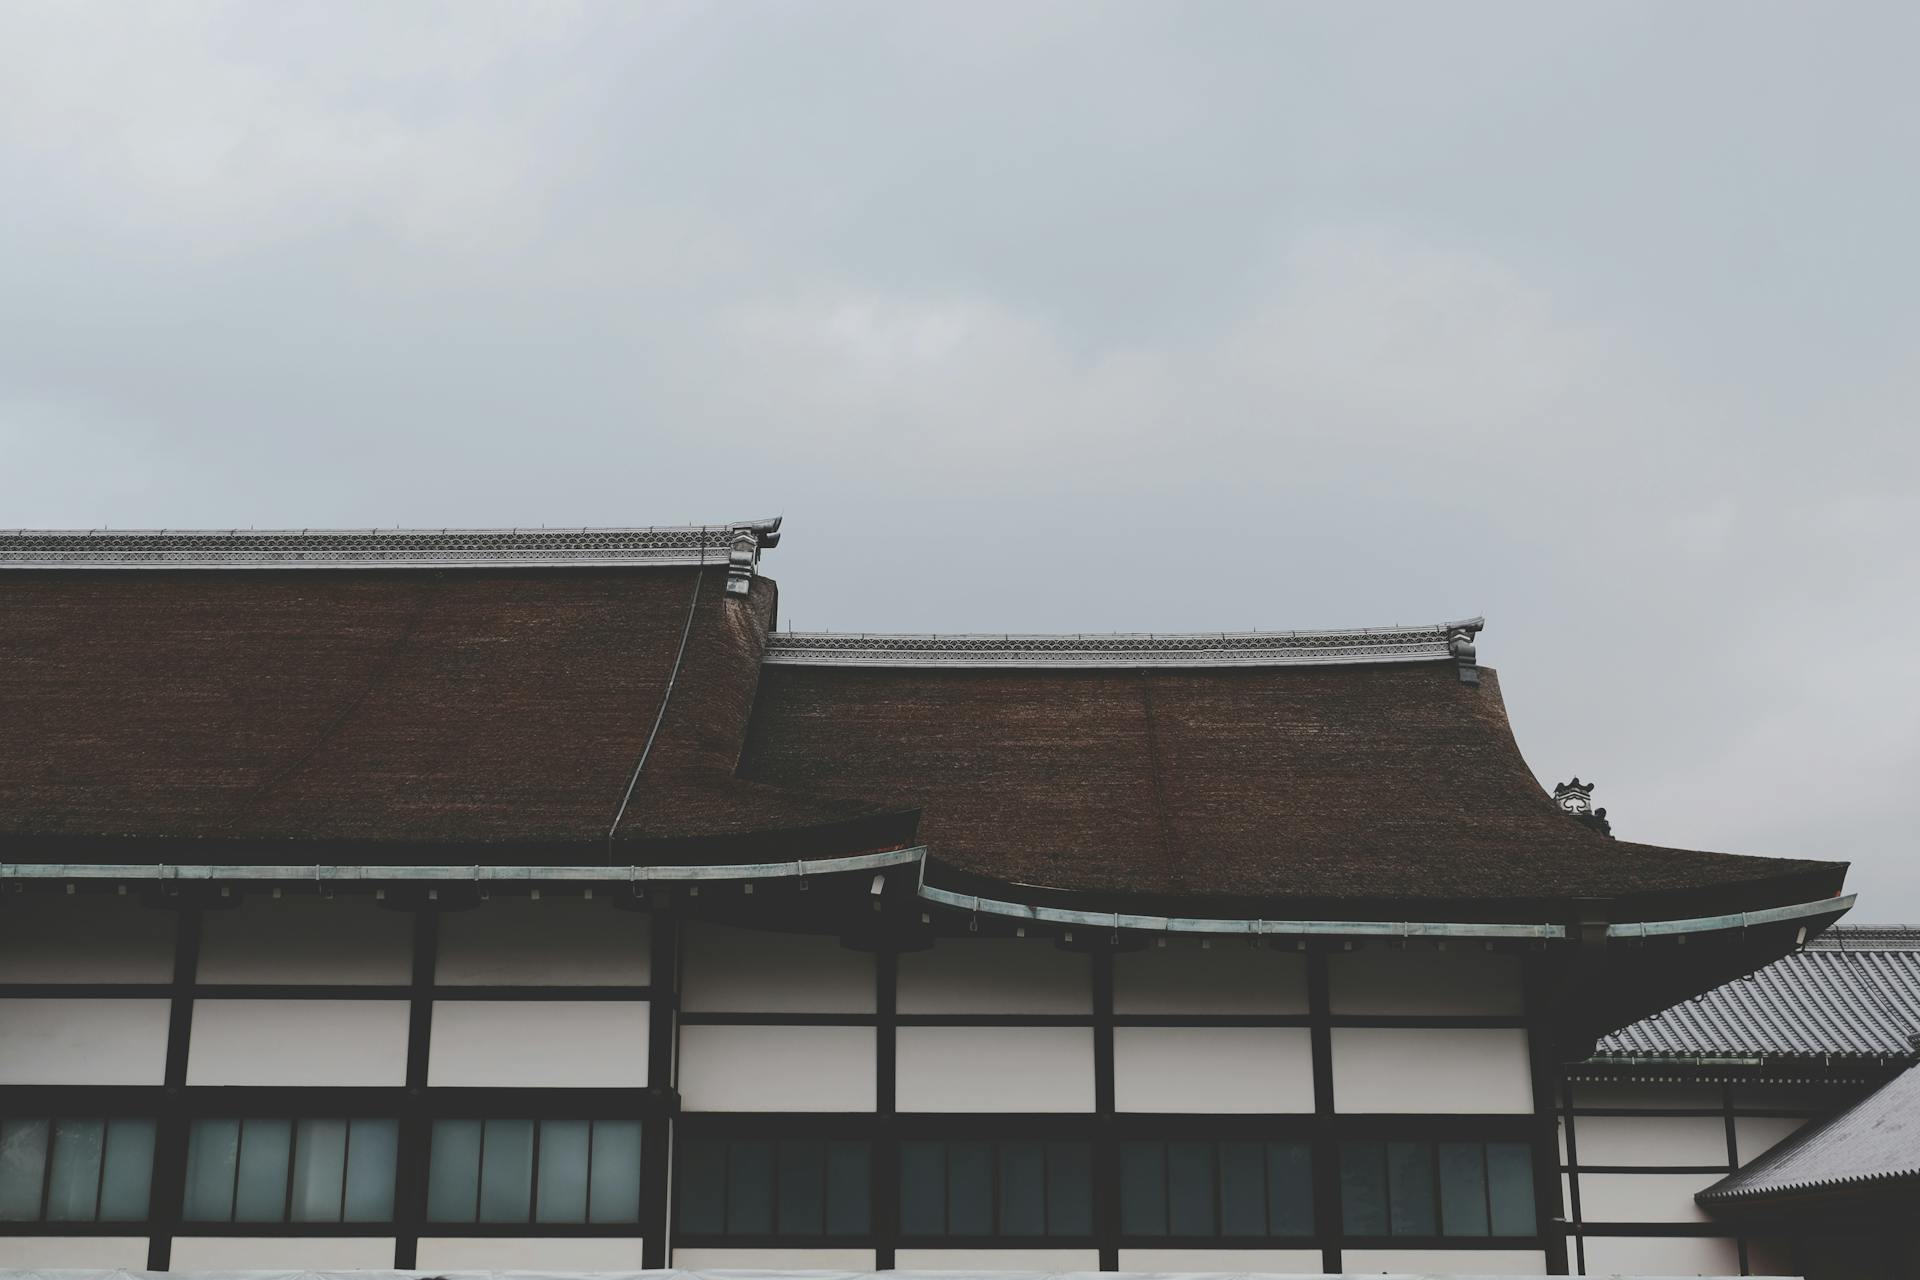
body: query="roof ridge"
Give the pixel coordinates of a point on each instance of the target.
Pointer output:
(735, 543)
(1124, 649)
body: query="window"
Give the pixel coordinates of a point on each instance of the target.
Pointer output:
(534, 1171)
(793, 1187)
(1216, 1189)
(67, 1170)
(267, 1170)
(1000, 1189)
(1437, 1189)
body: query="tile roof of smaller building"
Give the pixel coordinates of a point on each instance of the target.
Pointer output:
(1876, 1139)
(1853, 992)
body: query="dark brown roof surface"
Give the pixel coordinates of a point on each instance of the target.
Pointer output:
(483, 706)
(499, 713)
(1374, 782)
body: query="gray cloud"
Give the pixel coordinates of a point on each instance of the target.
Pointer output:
(1600, 320)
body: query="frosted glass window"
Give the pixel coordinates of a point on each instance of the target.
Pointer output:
(276, 1170)
(1005, 1190)
(506, 1171)
(319, 1170)
(75, 1170)
(1243, 1190)
(23, 1168)
(453, 1177)
(616, 1171)
(373, 1153)
(565, 1148)
(1510, 1188)
(743, 1188)
(559, 1171)
(127, 1181)
(73, 1182)
(1429, 1189)
(213, 1150)
(260, 1189)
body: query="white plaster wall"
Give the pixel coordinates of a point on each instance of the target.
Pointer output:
(306, 939)
(1213, 1069)
(90, 938)
(298, 1042)
(1049, 1261)
(1656, 1256)
(1446, 1262)
(1647, 1097)
(83, 1041)
(1386, 980)
(1694, 1140)
(455, 1253)
(1752, 1135)
(995, 975)
(291, 1253)
(994, 1069)
(777, 1068)
(1225, 978)
(91, 1253)
(552, 941)
(750, 971)
(1383, 1069)
(1258, 1261)
(1643, 1197)
(772, 1259)
(556, 1044)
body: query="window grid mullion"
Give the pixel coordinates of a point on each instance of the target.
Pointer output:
(46, 1168)
(293, 1162)
(480, 1170)
(100, 1174)
(533, 1175)
(586, 1214)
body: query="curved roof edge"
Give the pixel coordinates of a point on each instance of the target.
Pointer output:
(1428, 643)
(649, 546)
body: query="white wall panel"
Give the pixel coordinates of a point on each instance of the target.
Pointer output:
(1694, 1140)
(1445, 1262)
(1386, 980)
(750, 971)
(777, 1068)
(771, 1259)
(1225, 978)
(1655, 1256)
(1643, 1197)
(90, 1253)
(84, 938)
(995, 975)
(276, 1253)
(1636, 1096)
(994, 1069)
(1257, 1261)
(83, 1041)
(552, 941)
(1435, 1069)
(456, 1253)
(1049, 1261)
(298, 1042)
(1752, 1135)
(1213, 1069)
(558, 1044)
(306, 939)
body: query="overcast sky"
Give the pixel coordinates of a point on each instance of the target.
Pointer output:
(1601, 321)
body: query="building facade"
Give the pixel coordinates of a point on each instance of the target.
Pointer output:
(528, 900)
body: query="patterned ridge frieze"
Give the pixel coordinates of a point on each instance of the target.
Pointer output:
(1854, 992)
(1123, 649)
(737, 543)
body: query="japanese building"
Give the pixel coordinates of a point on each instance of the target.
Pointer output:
(526, 899)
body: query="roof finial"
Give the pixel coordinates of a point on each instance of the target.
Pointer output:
(1576, 801)
(1460, 644)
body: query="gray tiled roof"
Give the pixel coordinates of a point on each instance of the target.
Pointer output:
(1875, 1139)
(1854, 992)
